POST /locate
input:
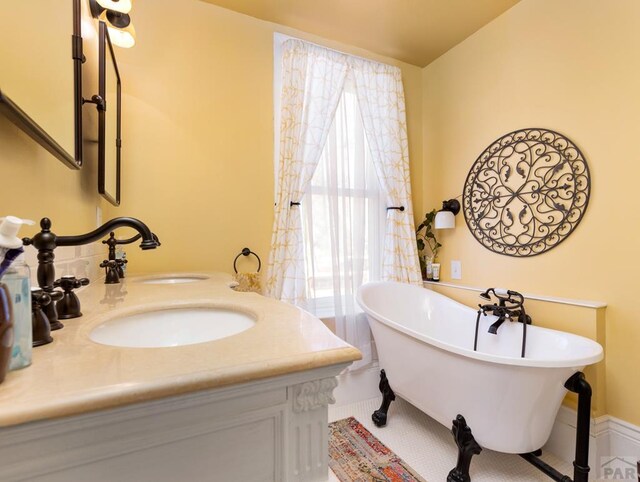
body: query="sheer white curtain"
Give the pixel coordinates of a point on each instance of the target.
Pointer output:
(343, 216)
(343, 146)
(312, 82)
(381, 99)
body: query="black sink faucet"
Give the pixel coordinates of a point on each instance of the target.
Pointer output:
(509, 305)
(46, 242)
(114, 266)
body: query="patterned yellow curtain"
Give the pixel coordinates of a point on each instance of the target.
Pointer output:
(312, 82)
(381, 100)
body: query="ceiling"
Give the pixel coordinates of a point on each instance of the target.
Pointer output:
(414, 31)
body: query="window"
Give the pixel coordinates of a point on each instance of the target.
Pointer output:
(332, 242)
(343, 212)
(343, 216)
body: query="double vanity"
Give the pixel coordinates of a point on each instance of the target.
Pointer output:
(174, 377)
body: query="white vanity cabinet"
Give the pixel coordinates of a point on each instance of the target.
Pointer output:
(273, 429)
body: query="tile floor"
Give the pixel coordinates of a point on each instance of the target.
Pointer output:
(428, 447)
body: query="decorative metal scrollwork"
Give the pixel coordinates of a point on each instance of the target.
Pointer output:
(526, 192)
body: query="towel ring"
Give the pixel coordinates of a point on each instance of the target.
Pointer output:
(246, 252)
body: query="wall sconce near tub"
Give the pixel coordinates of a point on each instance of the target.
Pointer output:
(445, 218)
(115, 14)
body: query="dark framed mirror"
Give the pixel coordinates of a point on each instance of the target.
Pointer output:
(109, 120)
(41, 77)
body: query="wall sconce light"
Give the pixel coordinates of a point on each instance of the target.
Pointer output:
(122, 6)
(114, 13)
(445, 218)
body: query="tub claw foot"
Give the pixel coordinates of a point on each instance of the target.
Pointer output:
(467, 448)
(379, 417)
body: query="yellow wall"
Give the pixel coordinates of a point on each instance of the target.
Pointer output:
(33, 183)
(198, 133)
(572, 66)
(44, 48)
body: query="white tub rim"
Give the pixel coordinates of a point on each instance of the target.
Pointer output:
(577, 363)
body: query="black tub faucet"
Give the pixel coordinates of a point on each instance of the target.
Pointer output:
(47, 241)
(508, 305)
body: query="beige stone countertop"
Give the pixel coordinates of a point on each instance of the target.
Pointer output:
(75, 375)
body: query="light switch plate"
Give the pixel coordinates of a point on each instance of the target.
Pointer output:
(456, 270)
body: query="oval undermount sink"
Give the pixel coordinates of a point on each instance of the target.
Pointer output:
(173, 327)
(173, 280)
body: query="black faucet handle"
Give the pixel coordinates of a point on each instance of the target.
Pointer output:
(69, 304)
(489, 308)
(111, 266)
(50, 307)
(39, 298)
(41, 328)
(55, 295)
(111, 240)
(70, 283)
(120, 263)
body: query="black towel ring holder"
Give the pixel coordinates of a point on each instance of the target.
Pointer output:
(246, 252)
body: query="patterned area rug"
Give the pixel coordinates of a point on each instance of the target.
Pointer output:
(355, 455)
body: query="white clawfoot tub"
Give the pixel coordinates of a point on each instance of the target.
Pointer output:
(425, 345)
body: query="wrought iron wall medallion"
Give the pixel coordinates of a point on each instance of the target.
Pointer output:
(526, 192)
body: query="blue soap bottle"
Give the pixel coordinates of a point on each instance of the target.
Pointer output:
(17, 278)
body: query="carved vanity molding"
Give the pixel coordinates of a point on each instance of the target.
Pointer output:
(313, 395)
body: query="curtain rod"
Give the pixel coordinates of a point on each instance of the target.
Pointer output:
(287, 37)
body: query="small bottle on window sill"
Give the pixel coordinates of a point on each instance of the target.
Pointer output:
(435, 267)
(429, 269)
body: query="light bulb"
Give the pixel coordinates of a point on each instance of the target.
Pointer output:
(121, 30)
(122, 6)
(125, 38)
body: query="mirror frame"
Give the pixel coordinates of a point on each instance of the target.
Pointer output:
(23, 121)
(103, 45)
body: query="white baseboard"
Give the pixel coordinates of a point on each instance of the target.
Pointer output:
(610, 438)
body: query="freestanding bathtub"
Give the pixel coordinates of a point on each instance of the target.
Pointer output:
(425, 345)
